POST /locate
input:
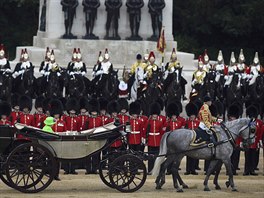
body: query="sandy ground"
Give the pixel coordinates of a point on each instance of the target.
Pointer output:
(82, 185)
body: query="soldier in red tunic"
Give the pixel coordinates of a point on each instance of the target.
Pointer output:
(5, 110)
(56, 111)
(144, 118)
(103, 110)
(162, 117)
(93, 121)
(191, 123)
(123, 117)
(25, 104)
(15, 114)
(83, 116)
(154, 133)
(39, 114)
(136, 127)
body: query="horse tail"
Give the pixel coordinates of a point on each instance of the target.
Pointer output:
(162, 155)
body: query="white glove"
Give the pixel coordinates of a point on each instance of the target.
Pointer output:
(260, 144)
(47, 73)
(14, 75)
(71, 73)
(21, 72)
(244, 76)
(226, 77)
(42, 72)
(8, 71)
(83, 73)
(143, 140)
(99, 72)
(241, 145)
(93, 74)
(58, 74)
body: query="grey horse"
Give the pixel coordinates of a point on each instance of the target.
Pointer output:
(176, 144)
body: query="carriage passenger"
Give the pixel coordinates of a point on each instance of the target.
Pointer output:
(78, 66)
(49, 122)
(39, 114)
(5, 111)
(93, 121)
(191, 123)
(154, 133)
(56, 111)
(4, 62)
(25, 104)
(15, 114)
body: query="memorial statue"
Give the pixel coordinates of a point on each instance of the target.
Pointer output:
(113, 14)
(155, 10)
(90, 9)
(69, 9)
(42, 26)
(134, 11)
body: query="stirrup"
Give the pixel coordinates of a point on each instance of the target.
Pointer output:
(210, 145)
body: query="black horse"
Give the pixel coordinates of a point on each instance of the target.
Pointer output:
(210, 84)
(233, 91)
(174, 89)
(5, 86)
(255, 92)
(54, 85)
(76, 86)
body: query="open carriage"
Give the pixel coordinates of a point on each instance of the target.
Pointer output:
(29, 164)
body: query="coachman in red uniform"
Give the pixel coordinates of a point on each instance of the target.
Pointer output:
(154, 133)
(5, 110)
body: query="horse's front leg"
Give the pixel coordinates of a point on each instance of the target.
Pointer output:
(230, 181)
(210, 170)
(176, 176)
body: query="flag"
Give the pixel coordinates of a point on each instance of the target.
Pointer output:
(161, 44)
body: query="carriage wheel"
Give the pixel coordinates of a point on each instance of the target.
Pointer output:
(127, 173)
(30, 168)
(2, 171)
(104, 172)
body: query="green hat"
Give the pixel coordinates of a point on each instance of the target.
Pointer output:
(49, 121)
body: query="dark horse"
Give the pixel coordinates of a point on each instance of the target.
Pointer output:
(53, 85)
(5, 86)
(177, 144)
(76, 86)
(255, 93)
(24, 84)
(174, 89)
(210, 84)
(233, 91)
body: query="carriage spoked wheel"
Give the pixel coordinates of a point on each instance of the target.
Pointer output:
(30, 168)
(3, 171)
(104, 172)
(127, 173)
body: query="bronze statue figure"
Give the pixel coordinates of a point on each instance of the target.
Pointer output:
(42, 25)
(69, 9)
(134, 11)
(113, 14)
(90, 9)
(155, 10)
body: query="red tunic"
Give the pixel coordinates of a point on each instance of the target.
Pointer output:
(154, 132)
(94, 122)
(144, 119)
(136, 127)
(163, 119)
(27, 119)
(182, 120)
(105, 119)
(59, 126)
(258, 134)
(192, 124)
(5, 122)
(174, 124)
(38, 119)
(14, 116)
(72, 123)
(118, 142)
(83, 121)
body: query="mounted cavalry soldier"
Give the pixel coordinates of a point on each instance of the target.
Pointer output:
(220, 67)
(254, 70)
(43, 65)
(4, 63)
(232, 68)
(78, 66)
(152, 69)
(207, 65)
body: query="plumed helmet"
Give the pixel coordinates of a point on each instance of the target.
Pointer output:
(56, 107)
(72, 104)
(123, 103)
(100, 57)
(5, 108)
(232, 58)
(83, 103)
(46, 104)
(205, 56)
(103, 103)
(200, 61)
(2, 50)
(179, 104)
(113, 106)
(220, 107)
(134, 108)
(106, 55)
(15, 100)
(39, 101)
(252, 111)
(256, 59)
(172, 109)
(94, 105)
(25, 102)
(220, 57)
(154, 108)
(151, 55)
(74, 54)
(79, 54)
(191, 109)
(173, 53)
(146, 55)
(213, 110)
(241, 57)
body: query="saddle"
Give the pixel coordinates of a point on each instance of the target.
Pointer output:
(201, 137)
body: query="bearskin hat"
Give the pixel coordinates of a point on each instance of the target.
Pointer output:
(25, 102)
(14, 100)
(134, 108)
(63, 101)
(103, 103)
(179, 104)
(161, 103)
(213, 110)
(172, 109)
(143, 107)
(154, 108)
(234, 111)
(191, 109)
(84, 103)
(72, 104)
(113, 106)
(220, 107)
(123, 103)
(5, 108)
(252, 111)
(56, 107)
(207, 98)
(93, 105)
(240, 106)
(39, 101)
(46, 104)
(198, 103)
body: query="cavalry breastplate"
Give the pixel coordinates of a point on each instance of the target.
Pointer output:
(199, 76)
(3, 62)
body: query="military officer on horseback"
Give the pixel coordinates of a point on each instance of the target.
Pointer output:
(52, 66)
(220, 67)
(254, 70)
(207, 65)
(206, 118)
(4, 63)
(78, 66)
(151, 69)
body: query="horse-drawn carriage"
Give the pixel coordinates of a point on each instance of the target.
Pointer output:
(30, 163)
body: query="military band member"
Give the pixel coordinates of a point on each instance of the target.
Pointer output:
(39, 114)
(192, 123)
(25, 104)
(78, 66)
(144, 118)
(198, 76)
(4, 62)
(5, 111)
(154, 132)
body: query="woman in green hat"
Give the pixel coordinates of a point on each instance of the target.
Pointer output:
(49, 121)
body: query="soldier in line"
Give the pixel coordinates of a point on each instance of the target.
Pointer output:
(5, 111)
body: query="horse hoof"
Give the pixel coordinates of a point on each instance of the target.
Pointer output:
(158, 187)
(185, 186)
(217, 187)
(207, 189)
(179, 190)
(234, 190)
(227, 184)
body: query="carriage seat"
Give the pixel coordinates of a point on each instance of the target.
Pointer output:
(108, 127)
(201, 137)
